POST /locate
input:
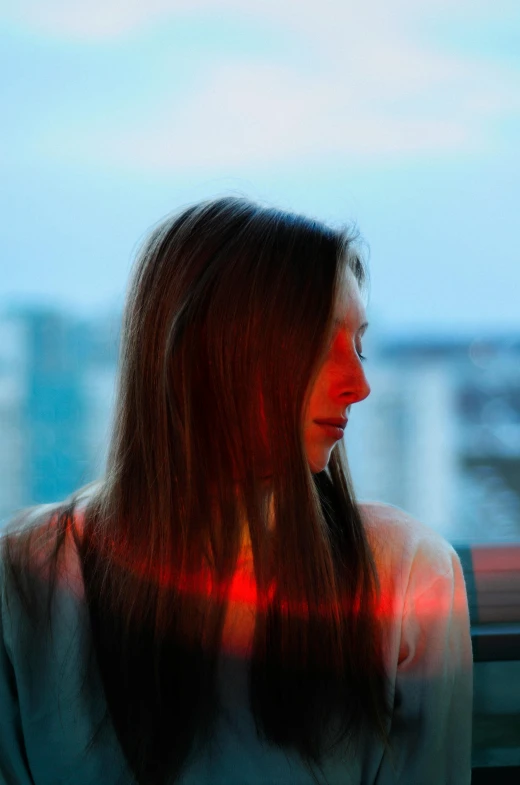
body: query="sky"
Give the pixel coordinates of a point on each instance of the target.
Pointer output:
(401, 117)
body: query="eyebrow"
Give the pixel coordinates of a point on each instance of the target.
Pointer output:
(342, 321)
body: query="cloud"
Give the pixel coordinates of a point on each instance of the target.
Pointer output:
(260, 114)
(97, 20)
(103, 19)
(366, 89)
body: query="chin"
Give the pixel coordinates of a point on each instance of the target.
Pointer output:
(319, 465)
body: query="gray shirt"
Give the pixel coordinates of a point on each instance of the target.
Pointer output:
(45, 725)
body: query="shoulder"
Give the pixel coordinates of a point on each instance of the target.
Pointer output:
(39, 544)
(405, 549)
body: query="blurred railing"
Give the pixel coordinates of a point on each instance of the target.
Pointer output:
(492, 574)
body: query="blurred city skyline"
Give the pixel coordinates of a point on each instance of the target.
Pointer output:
(438, 436)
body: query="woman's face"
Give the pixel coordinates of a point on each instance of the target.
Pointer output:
(341, 380)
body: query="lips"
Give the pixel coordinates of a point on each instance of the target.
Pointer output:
(338, 422)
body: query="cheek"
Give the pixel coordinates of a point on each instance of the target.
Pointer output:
(317, 394)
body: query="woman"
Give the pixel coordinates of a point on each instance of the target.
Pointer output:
(219, 608)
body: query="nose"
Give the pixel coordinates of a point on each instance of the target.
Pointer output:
(365, 390)
(358, 388)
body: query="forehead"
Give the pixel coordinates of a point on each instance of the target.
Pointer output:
(349, 306)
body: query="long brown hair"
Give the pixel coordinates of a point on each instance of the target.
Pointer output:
(230, 308)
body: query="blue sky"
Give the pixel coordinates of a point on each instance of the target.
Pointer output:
(403, 117)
